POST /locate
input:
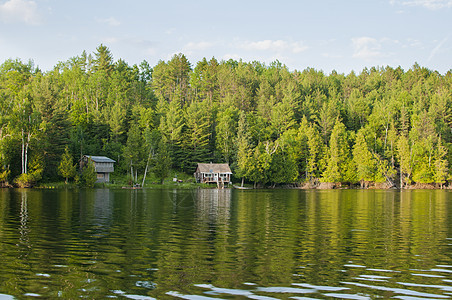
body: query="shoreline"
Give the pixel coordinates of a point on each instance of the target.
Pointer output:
(192, 186)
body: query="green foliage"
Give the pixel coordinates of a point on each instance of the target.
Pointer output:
(440, 163)
(34, 174)
(226, 133)
(272, 125)
(404, 157)
(338, 155)
(259, 168)
(363, 159)
(243, 148)
(195, 141)
(66, 168)
(134, 157)
(162, 161)
(314, 165)
(88, 176)
(283, 168)
(4, 177)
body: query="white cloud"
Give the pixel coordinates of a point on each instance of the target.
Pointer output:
(274, 46)
(14, 11)
(128, 41)
(430, 4)
(229, 56)
(109, 21)
(413, 43)
(110, 40)
(366, 48)
(192, 46)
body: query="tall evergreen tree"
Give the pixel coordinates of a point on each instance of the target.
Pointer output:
(197, 133)
(338, 155)
(440, 164)
(66, 168)
(162, 161)
(404, 157)
(243, 142)
(364, 160)
(226, 133)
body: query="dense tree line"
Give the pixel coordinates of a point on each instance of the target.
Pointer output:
(274, 126)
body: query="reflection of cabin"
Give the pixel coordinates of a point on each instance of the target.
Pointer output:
(213, 173)
(103, 166)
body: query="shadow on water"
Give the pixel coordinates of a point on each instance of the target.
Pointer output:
(229, 244)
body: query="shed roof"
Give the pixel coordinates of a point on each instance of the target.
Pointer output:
(214, 168)
(100, 159)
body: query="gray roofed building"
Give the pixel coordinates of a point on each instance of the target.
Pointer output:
(213, 173)
(100, 159)
(102, 164)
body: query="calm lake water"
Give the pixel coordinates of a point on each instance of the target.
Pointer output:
(225, 244)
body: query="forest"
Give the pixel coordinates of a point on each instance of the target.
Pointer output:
(383, 127)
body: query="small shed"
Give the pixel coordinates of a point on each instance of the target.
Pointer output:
(103, 166)
(213, 173)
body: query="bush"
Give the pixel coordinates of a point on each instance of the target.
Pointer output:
(4, 178)
(88, 176)
(27, 180)
(36, 167)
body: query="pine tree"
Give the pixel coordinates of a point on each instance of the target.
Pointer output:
(196, 138)
(226, 132)
(404, 157)
(440, 163)
(162, 161)
(172, 124)
(89, 175)
(243, 143)
(283, 168)
(363, 160)
(66, 168)
(338, 155)
(314, 165)
(133, 152)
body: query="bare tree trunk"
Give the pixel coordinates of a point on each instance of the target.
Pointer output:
(26, 152)
(401, 178)
(147, 165)
(23, 153)
(145, 172)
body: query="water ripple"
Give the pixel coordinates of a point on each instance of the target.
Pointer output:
(281, 289)
(441, 287)
(397, 290)
(320, 287)
(347, 296)
(190, 297)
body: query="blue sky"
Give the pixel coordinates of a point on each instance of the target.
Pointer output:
(325, 35)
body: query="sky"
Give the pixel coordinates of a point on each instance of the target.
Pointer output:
(344, 36)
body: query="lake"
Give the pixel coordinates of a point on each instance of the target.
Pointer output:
(225, 244)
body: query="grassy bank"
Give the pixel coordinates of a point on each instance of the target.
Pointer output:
(177, 180)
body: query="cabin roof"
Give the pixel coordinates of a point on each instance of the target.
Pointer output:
(214, 168)
(100, 159)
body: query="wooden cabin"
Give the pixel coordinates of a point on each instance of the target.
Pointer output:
(102, 164)
(213, 173)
